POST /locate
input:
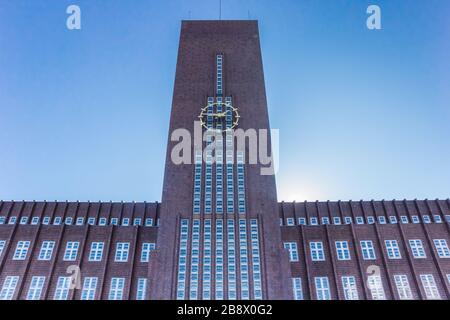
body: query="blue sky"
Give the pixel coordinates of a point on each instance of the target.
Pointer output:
(362, 114)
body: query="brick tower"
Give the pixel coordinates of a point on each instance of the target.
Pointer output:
(219, 235)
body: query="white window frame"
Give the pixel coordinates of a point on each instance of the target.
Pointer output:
(122, 252)
(35, 289)
(71, 252)
(21, 251)
(96, 252)
(46, 252)
(317, 251)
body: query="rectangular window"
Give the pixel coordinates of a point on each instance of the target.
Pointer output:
(89, 288)
(348, 220)
(137, 222)
(116, 289)
(91, 221)
(122, 249)
(342, 250)
(447, 218)
(403, 288)
(337, 220)
(313, 221)
(415, 219)
(381, 220)
(297, 288)
(96, 253)
(2, 247)
(9, 287)
(114, 221)
(149, 222)
(57, 221)
(376, 287)
(21, 250)
(393, 219)
(35, 220)
(317, 252)
(442, 248)
(24, 220)
(349, 287)
(301, 221)
(35, 290)
(292, 249)
(46, 250)
(417, 249)
(46, 220)
(325, 221)
(141, 290)
(102, 222)
(147, 248)
(426, 219)
(125, 222)
(68, 221)
(2, 220)
(404, 219)
(80, 221)
(437, 218)
(322, 288)
(367, 249)
(71, 252)
(392, 249)
(12, 220)
(359, 220)
(370, 220)
(290, 221)
(62, 288)
(430, 287)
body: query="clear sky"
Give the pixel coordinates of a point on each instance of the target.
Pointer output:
(362, 114)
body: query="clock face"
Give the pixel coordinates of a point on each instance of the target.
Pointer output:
(219, 116)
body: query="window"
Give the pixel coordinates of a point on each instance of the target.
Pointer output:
(2, 220)
(325, 220)
(125, 222)
(122, 251)
(148, 222)
(147, 248)
(116, 289)
(141, 289)
(231, 254)
(301, 221)
(71, 251)
(114, 221)
(57, 221)
(12, 220)
(313, 221)
(442, 248)
(381, 220)
(415, 219)
(24, 220)
(62, 288)
(137, 222)
(404, 219)
(68, 221)
(448, 278)
(393, 219)
(317, 253)
(392, 249)
(376, 287)
(9, 287)
(348, 220)
(2, 246)
(96, 253)
(46, 250)
(21, 250)
(89, 288)
(46, 220)
(337, 220)
(368, 250)
(292, 248)
(35, 290)
(437, 218)
(430, 287)
(35, 220)
(349, 287)
(343, 253)
(370, 220)
(91, 221)
(426, 219)
(417, 249)
(102, 222)
(447, 218)
(322, 288)
(297, 288)
(80, 221)
(359, 220)
(290, 221)
(403, 288)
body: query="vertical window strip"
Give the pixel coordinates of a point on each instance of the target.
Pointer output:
(376, 287)
(197, 181)
(62, 288)
(219, 161)
(232, 295)
(241, 182)
(243, 259)
(195, 256)
(322, 288)
(297, 288)
(219, 74)
(141, 290)
(208, 160)
(182, 258)
(2, 246)
(256, 263)
(35, 290)
(430, 287)
(116, 289)
(9, 287)
(350, 289)
(229, 156)
(219, 259)
(403, 288)
(207, 260)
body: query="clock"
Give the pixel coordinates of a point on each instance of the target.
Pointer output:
(219, 116)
